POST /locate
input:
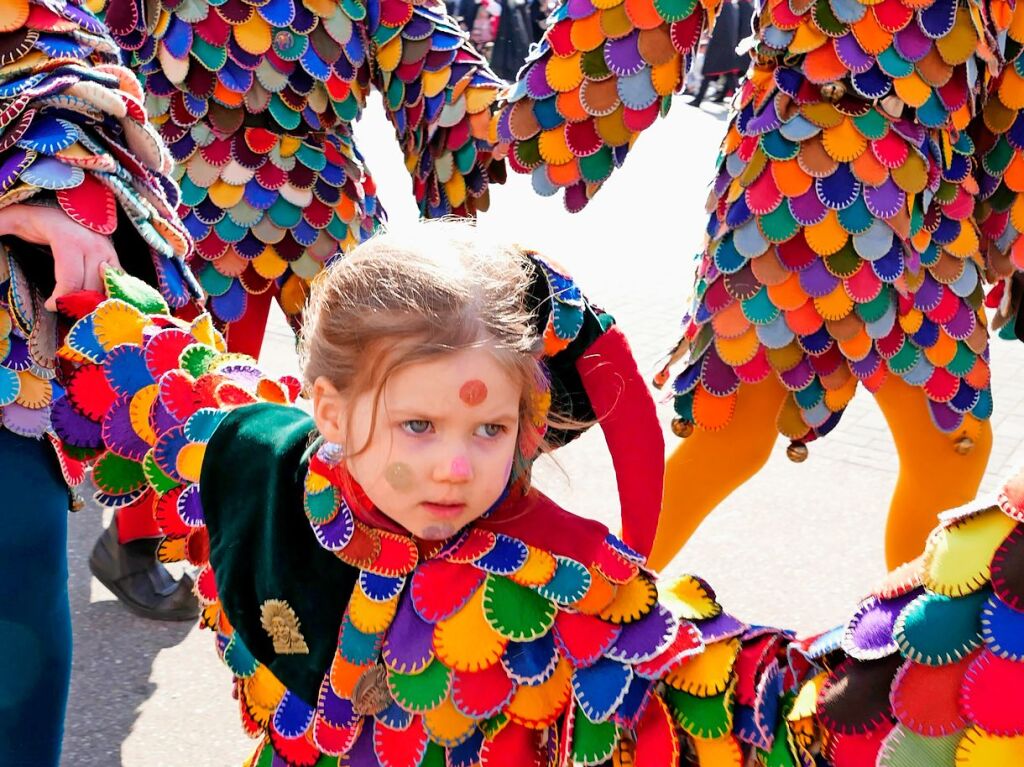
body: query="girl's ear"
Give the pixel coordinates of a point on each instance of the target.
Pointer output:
(330, 411)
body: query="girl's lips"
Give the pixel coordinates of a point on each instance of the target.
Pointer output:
(444, 510)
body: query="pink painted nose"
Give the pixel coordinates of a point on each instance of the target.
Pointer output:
(460, 470)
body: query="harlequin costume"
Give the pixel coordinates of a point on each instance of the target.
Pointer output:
(74, 135)
(257, 103)
(532, 636)
(867, 183)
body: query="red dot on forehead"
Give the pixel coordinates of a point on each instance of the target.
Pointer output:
(473, 392)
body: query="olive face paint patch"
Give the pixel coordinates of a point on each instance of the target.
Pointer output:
(473, 392)
(399, 476)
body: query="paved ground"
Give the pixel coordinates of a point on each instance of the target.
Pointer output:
(795, 546)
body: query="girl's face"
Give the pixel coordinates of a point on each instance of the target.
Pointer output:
(441, 443)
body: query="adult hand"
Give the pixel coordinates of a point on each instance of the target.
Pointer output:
(79, 254)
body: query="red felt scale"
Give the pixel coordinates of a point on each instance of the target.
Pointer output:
(482, 694)
(582, 638)
(91, 204)
(439, 588)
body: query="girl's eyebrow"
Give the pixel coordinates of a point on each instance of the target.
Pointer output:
(410, 414)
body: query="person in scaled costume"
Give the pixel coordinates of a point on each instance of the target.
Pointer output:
(867, 186)
(84, 180)
(257, 102)
(387, 588)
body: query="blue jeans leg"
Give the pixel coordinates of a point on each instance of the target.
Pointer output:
(35, 618)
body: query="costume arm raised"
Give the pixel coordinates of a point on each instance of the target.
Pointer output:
(438, 92)
(74, 131)
(601, 76)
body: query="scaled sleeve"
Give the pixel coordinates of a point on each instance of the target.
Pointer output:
(997, 134)
(602, 74)
(438, 92)
(73, 130)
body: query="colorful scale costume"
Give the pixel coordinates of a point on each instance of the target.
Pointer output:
(256, 101)
(74, 134)
(844, 235)
(532, 637)
(868, 184)
(869, 179)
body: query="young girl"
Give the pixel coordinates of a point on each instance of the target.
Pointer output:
(385, 585)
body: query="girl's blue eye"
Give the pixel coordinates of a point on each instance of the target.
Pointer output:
(490, 430)
(416, 426)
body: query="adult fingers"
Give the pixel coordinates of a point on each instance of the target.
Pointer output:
(68, 272)
(97, 259)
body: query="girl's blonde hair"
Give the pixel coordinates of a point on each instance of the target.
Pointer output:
(408, 295)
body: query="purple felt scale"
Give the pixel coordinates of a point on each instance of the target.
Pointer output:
(912, 43)
(623, 55)
(869, 634)
(946, 419)
(718, 377)
(963, 323)
(409, 646)
(852, 55)
(26, 421)
(18, 356)
(161, 418)
(75, 429)
(816, 280)
(799, 376)
(11, 168)
(764, 122)
(336, 534)
(886, 200)
(537, 83)
(928, 295)
(808, 209)
(579, 9)
(722, 626)
(643, 639)
(190, 506)
(417, 28)
(337, 711)
(119, 433)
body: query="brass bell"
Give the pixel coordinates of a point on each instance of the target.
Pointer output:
(964, 445)
(797, 451)
(833, 92)
(77, 502)
(682, 428)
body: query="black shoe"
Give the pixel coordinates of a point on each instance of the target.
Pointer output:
(141, 583)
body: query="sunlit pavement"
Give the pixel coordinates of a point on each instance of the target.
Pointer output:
(796, 546)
